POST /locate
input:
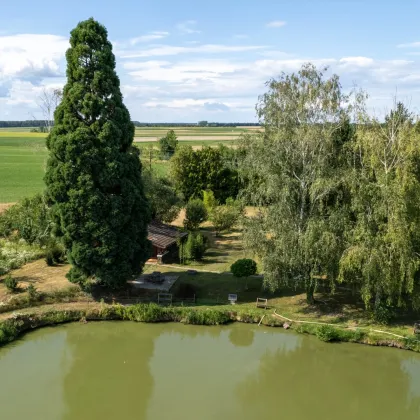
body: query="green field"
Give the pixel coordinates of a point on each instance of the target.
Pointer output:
(22, 163)
(23, 155)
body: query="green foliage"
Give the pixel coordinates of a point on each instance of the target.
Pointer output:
(165, 203)
(30, 220)
(195, 171)
(327, 333)
(14, 254)
(226, 216)
(382, 313)
(32, 292)
(195, 214)
(93, 172)
(382, 255)
(193, 248)
(209, 200)
(244, 267)
(54, 252)
(11, 283)
(207, 317)
(168, 145)
(292, 170)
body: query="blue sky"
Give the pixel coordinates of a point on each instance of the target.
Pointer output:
(183, 61)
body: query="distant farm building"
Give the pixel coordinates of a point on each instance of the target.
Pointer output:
(164, 240)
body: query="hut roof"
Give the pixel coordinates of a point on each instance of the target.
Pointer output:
(163, 236)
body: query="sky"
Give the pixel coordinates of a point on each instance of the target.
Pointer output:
(185, 61)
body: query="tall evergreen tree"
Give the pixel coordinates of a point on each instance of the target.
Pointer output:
(94, 173)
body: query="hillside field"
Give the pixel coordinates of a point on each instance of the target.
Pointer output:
(23, 155)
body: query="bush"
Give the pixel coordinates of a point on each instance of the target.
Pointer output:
(193, 248)
(14, 254)
(195, 214)
(32, 292)
(11, 283)
(29, 220)
(327, 333)
(209, 200)
(207, 317)
(383, 314)
(244, 267)
(54, 253)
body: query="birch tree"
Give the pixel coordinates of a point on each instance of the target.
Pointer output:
(295, 175)
(48, 101)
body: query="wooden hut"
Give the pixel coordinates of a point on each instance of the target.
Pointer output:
(164, 240)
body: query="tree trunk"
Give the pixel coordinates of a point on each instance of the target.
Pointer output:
(310, 290)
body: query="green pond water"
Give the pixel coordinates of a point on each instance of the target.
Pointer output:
(122, 370)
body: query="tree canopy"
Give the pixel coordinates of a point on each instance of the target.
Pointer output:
(338, 199)
(168, 144)
(209, 168)
(93, 173)
(292, 171)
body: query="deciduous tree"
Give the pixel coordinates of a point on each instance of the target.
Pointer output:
(294, 176)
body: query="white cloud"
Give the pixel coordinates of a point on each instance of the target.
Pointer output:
(31, 55)
(165, 50)
(409, 45)
(149, 37)
(276, 24)
(188, 27)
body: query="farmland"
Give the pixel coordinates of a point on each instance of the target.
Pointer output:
(23, 155)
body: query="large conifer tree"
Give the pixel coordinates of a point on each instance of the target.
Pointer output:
(94, 173)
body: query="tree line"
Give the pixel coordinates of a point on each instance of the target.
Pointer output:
(338, 192)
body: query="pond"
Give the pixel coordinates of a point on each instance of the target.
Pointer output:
(123, 370)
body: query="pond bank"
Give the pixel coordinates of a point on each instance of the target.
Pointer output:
(18, 323)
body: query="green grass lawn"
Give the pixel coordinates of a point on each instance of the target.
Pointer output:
(22, 165)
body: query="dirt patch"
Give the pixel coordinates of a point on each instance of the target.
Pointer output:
(38, 273)
(5, 206)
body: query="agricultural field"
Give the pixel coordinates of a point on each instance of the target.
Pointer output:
(23, 155)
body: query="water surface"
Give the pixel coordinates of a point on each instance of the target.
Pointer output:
(117, 370)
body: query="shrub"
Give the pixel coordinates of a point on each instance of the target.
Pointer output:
(209, 201)
(14, 254)
(54, 253)
(11, 283)
(207, 317)
(383, 314)
(32, 292)
(327, 333)
(193, 248)
(195, 214)
(244, 267)
(29, 220)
